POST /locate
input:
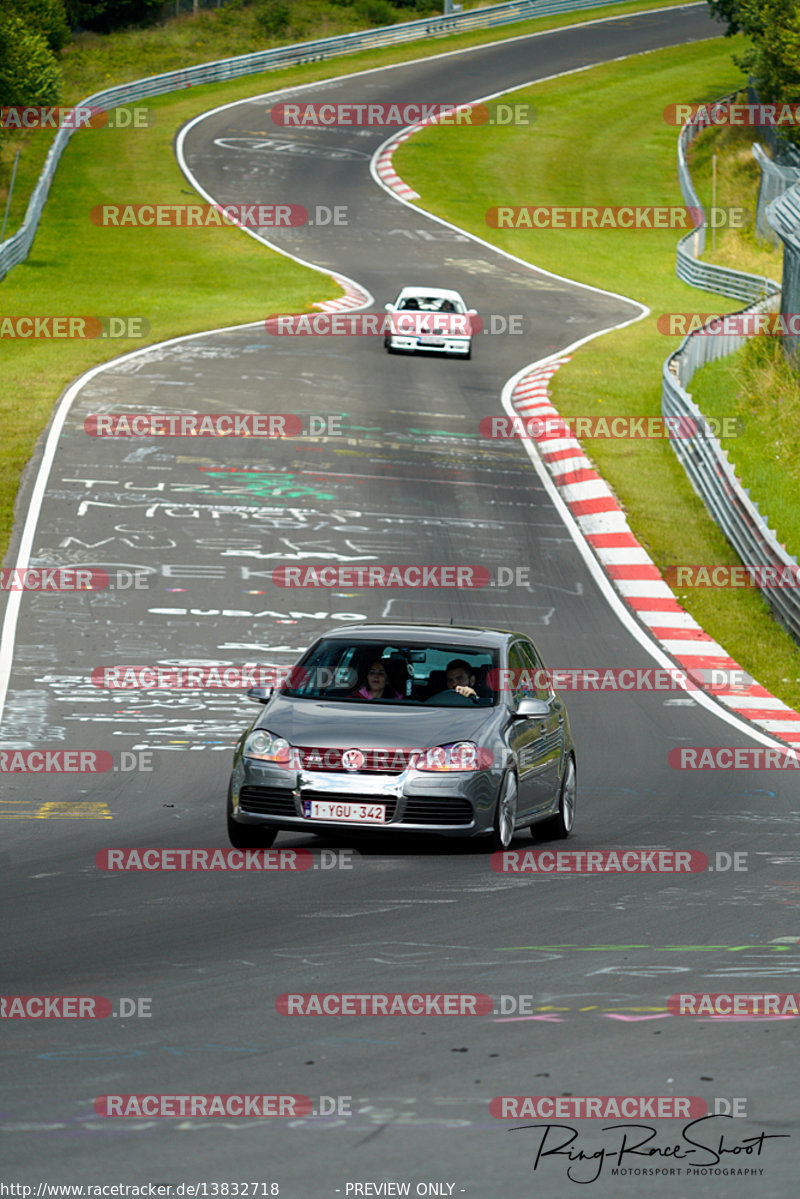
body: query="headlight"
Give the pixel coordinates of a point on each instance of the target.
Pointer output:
(459, 755)
(267, 747)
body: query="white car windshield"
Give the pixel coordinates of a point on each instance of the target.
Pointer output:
(430, 304)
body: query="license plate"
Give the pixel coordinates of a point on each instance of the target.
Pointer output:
(431, 341)
(353, 813)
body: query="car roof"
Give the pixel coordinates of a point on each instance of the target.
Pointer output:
(440, 293)
(462, 634)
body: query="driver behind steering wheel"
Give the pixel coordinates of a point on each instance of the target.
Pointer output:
(460, 678)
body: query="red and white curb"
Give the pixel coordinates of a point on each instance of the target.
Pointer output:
(631, 569)
(386, 172)
(383, 161)
(354, 297)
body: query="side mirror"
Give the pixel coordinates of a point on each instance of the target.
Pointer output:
(530, 706)
(472, 312)
(260, 695)
(389, 307)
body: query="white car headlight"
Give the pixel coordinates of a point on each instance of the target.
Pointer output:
(459, 755)
(267, 747)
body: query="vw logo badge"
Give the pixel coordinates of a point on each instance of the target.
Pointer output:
(352, 759)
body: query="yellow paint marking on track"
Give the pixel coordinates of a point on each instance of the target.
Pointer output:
(14, 815)
(78, 810)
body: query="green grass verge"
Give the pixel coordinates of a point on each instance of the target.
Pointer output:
(758, 386)
(179, 281)
(738, 178)
(600, 138)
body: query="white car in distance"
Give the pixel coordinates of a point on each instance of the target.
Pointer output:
(430, 319)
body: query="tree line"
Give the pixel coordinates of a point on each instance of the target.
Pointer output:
(773, 56)
(32, 32)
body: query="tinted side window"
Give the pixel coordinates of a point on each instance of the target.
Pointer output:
(519, 684)
(538, 676)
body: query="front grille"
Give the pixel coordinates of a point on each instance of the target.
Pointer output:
(389, 801)
(438, 811)
(267, 801)
(376, 761)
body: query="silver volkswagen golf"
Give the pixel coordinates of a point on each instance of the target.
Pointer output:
(427, 729)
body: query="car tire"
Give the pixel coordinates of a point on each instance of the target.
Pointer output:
(558, 827)
(468, 353)
(248, 836)
(505, 814)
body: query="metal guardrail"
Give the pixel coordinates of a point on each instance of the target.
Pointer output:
(701, 456)
(17, 247)
(727, 282)
(783, 152)
(783, 215)
(775, 180)
(739, 285)
(698, 349)
(714, 479)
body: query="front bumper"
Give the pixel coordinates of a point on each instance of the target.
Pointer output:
(444, 345)
(459, 804)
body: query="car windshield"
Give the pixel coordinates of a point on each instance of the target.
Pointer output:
(398, 673)
(421, 303)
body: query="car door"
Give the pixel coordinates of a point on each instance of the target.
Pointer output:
(535, 740)
(525, 735)
(550, 748)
